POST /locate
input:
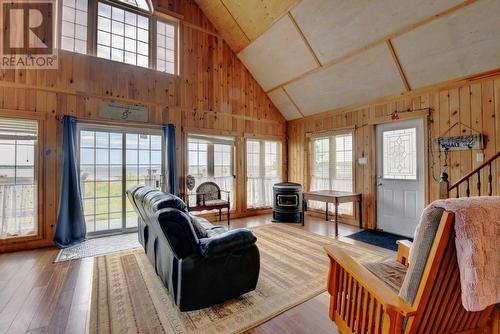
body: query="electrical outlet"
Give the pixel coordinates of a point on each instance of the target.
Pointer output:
(479, 157)
(363, 161)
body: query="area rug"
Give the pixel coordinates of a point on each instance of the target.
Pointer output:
(99, 246)
(128, 296)
(379, 238)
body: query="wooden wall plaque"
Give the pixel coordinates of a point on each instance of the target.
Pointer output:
(460, 143)
(124, 112)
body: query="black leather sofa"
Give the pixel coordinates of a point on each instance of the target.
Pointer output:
(200, 264)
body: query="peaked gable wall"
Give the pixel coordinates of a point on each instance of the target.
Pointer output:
(214, 93)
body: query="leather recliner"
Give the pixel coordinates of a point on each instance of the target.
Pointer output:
(200, 264)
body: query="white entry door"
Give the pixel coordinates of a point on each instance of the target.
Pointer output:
(400, 176)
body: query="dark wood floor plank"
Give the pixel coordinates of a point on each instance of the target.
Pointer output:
(37, 276)
(23, 271)
(51, 296)
(60, 316)
(79, 312)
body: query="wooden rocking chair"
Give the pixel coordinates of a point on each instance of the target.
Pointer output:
(361, 302)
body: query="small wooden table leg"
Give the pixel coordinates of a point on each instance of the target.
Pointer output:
(336, 218)
(303, 211)
(326, 211)
(360, 208)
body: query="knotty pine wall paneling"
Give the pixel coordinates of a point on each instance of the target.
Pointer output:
(214, 92)
(458, 108)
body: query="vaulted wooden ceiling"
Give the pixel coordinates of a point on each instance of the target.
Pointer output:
(312, 56)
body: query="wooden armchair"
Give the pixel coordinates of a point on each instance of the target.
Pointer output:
(360, 302)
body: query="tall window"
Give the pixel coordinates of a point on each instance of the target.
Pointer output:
(74, 26)
(123, 29)
(263, 171)
(332, 167)
(211, 159)
(166, 47)
(122, 35)
(18, 183)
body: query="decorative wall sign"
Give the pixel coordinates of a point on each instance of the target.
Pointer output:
(460, 143)
(123, 112)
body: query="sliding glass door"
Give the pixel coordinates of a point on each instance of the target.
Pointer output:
(112, 161)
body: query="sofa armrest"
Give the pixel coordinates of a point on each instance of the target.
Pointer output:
(404, 251)
(227, 242)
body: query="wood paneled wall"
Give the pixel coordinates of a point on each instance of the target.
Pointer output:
(456, 108)
(214, 92)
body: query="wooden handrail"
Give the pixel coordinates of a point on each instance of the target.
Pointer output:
(445, 188)
(471, 173)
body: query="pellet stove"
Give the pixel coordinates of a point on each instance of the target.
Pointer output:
(287, 203)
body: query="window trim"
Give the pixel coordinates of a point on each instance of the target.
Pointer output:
(153, 17)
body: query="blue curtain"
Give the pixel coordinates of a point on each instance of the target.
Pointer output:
(70, 227)
(172, 178)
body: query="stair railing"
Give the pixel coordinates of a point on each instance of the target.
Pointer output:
(445, 189)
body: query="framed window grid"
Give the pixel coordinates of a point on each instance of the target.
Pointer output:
(120, 30)
(211, 159)
(111, 162)
(263, 171)
(166, 47)
(122, 35)
(74, 22)
(332, 167)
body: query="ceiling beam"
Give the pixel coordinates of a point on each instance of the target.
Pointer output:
(306, 42)
(293, 102)
(377, 42)
(398, 65)
(234, 19)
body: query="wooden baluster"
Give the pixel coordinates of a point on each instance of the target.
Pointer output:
(479, 183)
(467, 191)
(443, 185)
(490, 182)
(458, 191)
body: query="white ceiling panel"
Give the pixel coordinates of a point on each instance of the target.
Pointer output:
(284, 104)
(278, 55)
(364, 77)
(463, 43)
(334, 28)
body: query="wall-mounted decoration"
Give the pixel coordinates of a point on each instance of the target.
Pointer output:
(461, 143)
(123, 112)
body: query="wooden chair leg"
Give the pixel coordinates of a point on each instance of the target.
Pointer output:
(220, 214)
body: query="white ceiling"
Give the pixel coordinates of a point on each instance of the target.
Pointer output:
(277, 55)
(364, 77)
(463, 43)
(313, 56)
(284, 104)
(335, 28)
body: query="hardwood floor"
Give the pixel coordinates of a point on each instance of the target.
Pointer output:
(37, 296)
